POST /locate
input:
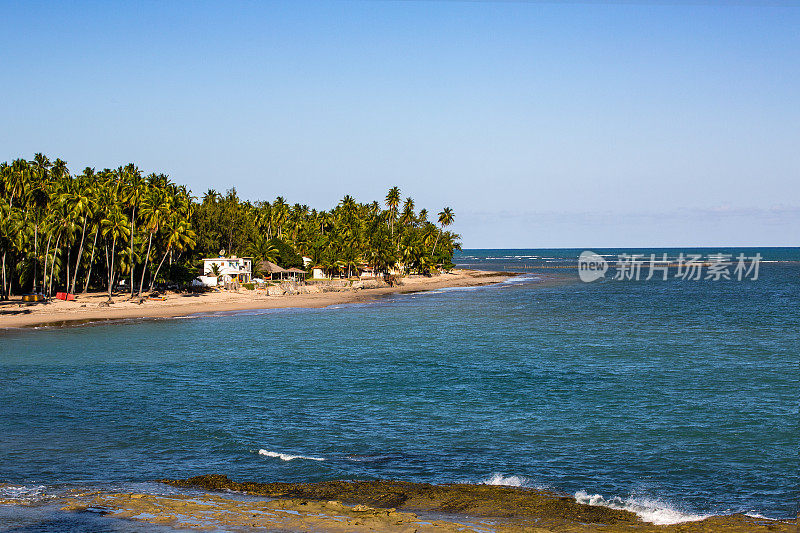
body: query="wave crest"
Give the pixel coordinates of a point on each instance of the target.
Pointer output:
(506, 481)
(288, 457)
(653, 511)
(23, 493)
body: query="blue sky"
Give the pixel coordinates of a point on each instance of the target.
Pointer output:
(542, 124)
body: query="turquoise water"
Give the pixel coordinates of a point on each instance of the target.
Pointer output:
(677, 395)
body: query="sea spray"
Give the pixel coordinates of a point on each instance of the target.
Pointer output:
(653, 511)
(506, 481)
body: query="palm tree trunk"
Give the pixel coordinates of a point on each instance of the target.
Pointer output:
(35, 254)
(436, 242)
(4, 296)
(53, 266)
(133, 263)
(80, 253)
(153, 281)
(52, 272)
(111, 268)
(91, 261)
(66, 279)
(146, 260)
(46, 255)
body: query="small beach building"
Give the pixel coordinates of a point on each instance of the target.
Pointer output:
(239, 269)
(297, 274)
(268, 268)
(366, 271)
(318, 272)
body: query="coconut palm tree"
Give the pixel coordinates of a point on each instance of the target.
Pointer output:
(407, 218)
(392, 201)
(10, 236)
(155, 207)
(81, 202)
(114, 228)
(215, 271)
(180, 236)
(135, 190)
(446, 218)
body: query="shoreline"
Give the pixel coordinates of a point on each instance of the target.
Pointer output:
(88, 309)
(215, 501)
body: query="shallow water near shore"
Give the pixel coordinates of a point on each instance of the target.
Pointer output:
(675, 399)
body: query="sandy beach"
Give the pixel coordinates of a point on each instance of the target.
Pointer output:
(91, 307)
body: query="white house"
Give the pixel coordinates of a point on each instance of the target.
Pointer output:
(318, 272)
(231, 268)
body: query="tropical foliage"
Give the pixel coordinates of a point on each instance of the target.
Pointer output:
(103, 229)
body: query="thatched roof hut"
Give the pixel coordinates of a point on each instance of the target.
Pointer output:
(268, 267)
(298, 273)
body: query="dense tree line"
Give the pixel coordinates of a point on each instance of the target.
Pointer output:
(339, 240)
(60, 231)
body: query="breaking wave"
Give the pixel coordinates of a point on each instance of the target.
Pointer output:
(288, 457)
(653, 511)
(22, 493)
(522, 278)
(506, 481)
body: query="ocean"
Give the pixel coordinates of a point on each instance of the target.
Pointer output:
(675, 398)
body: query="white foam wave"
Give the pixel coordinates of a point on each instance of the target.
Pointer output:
(22, 493)
(524, 278)
(653, 511)
(506, 481)
(288, 457)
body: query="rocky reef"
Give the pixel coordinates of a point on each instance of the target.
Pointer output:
(464, 506)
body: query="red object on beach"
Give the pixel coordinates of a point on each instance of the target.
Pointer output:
(66, 296)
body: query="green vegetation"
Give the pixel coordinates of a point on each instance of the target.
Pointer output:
(285, 255)
(60, 231)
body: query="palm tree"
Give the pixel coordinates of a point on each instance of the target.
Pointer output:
(10, 235)
(392, 201)
(407, 218)
(279, 208)
(81, 201)
(180, 236)
(115, 227)
(96, 229)
(154, 210)
(215, 270)
(263, 250)
(135, 190)
(446, 218)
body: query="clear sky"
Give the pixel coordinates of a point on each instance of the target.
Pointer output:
(542, 124)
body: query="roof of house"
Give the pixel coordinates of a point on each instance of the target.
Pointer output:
(270, 267)
(296, 270)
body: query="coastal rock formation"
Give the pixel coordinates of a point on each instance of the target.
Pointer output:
(393, 506)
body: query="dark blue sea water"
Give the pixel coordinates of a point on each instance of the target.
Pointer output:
(676, 397)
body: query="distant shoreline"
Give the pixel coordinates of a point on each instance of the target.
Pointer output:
(87, 309)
